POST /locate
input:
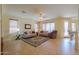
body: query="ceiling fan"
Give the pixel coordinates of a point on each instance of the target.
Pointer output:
(42, 16)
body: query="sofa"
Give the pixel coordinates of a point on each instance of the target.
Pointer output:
(43, 33)
(52, 34)
(29, 34)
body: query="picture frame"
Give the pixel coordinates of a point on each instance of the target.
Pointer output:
(27, 26)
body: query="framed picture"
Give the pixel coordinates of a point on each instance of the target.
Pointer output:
(27, 26)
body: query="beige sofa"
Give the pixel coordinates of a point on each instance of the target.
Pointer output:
(28, 35)
(43, 33)
(52, 34)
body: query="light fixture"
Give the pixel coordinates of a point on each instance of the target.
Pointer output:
(40, 17)
(23, 12)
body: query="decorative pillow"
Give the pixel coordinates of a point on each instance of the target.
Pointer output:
(41, 31)
(33, 31)
(25, 32)
(29, 32)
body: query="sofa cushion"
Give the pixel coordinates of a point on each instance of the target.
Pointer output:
(33, 31)
(25, 32)
(29, 34)
(41, 31)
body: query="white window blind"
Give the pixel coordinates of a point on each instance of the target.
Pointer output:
(65, 28)
(48, 27)
(52, 27)
(44, 27)
(13, 26)
(73, 27)
(36, 27)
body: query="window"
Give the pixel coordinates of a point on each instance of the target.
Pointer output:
(36, 27)
(52, 27)
(65, 28)
(44, 27)
(73, 27)
(49, 27)
(13, 26)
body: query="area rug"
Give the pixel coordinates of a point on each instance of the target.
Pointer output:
(36, 41)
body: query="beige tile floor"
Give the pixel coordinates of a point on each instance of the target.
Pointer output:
(50, 47)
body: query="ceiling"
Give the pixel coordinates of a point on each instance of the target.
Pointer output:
(48, 11)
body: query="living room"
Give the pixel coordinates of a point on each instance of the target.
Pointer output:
(22, 22)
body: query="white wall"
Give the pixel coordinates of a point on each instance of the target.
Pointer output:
(21, 25)
(22, 22)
